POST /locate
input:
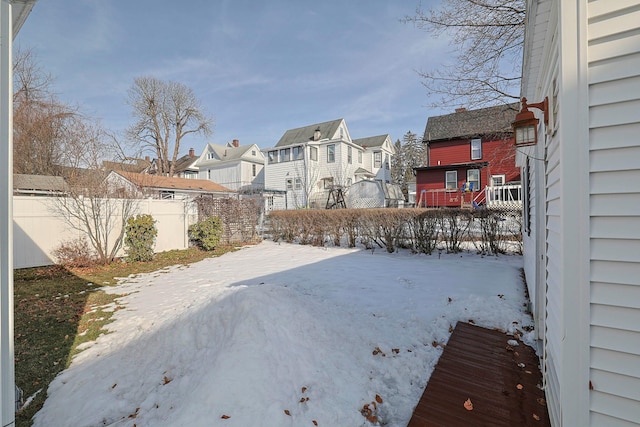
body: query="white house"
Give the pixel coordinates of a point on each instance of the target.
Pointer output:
(582, 206)
(240, 168)
(312, 166)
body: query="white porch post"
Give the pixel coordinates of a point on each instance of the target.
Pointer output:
(13, 13)
(7, 389)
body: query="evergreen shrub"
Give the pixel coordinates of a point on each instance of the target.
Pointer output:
(140, 238)
(206, 234)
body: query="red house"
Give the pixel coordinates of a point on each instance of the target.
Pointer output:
(470, 160)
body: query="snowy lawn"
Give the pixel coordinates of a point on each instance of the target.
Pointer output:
(282, 335)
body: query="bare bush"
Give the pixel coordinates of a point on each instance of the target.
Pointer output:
(425, 231)
(421, 230)
(454, 227)
(75, 253)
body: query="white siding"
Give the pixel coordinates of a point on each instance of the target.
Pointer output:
(312, 173)
(614, 102)
(228, 174)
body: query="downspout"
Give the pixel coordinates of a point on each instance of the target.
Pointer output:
(7, 379)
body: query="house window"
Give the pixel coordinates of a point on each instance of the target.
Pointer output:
(298, 152)
(273, 156)
(270, 202)
(497, 180)
(328, 183)
(349, 155)
(289, 184)
(451, 180)
(386, 161)
(476, 149)
(253, 170)
(359, 156)
(298, 183)
(377, 159)
(473, 177)
(313, 153)
(285, 154)
(331, 153)
(253, 153)
(209, 174)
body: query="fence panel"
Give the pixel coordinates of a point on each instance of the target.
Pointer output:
(38, 229)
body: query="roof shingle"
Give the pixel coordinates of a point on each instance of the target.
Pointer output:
(471, 123)
(305, 133)
(165, 182)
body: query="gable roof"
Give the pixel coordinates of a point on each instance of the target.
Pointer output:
(23, 183)
(166, 182)
(371, 141)
(305, 133)
(229, 152)
(470, 123)
(183, 163)
(140, 165)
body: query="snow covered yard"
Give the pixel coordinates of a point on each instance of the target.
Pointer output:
(282, 335)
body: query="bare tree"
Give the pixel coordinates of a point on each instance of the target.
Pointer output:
(92, 205)
(307, 171)
(41, 122)
(488, 36)
(165, 113)
(399, 165)
(90, 208)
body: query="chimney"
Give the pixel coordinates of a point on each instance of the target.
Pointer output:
(460, 110)
(236, 143)
(192, 152)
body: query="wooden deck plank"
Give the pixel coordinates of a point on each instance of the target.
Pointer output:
(502, 382)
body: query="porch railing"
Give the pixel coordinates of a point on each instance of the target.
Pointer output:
(509, 195)
(502, 196)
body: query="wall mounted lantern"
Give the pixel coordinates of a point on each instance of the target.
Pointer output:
(525, 125)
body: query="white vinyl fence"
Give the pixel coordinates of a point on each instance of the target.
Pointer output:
(38, 229)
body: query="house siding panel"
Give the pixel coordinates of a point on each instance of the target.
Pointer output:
(622, 181)
(614, 100)
(614, 69)
(618, 409)
(614, 137)
(618, 227)
(616, 295)
(449, 152)
(627, 250)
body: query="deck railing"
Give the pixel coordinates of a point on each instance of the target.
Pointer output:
(500, 196)
(509, 195)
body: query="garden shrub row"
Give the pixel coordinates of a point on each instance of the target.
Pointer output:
(489, 231)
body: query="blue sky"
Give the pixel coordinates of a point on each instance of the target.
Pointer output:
(258, 67)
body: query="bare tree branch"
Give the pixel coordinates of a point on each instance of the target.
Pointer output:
(165, 113)
(488, 36)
